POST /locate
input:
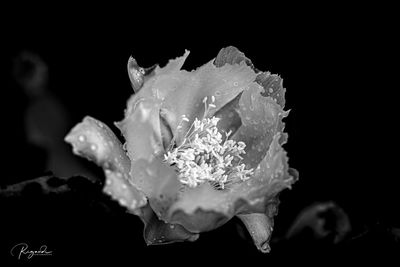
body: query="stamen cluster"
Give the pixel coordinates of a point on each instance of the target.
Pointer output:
(204, 156)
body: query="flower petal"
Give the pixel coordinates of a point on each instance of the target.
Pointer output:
(201, 209)
(271, 177)
(200, 220)
(158, 181)
(141, 128)
(261, 119)
(231, 55)
(136, 74)
(95, 141)
(182, 92)
(260, 228)
(273, 87)
(119, 188)
(157, 232)
(229, 116)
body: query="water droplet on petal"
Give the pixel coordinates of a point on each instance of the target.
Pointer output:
(140, 177)
(150, 172)
(217, 93)
(81, 138)
(271, 90)
(122, 202)
(235, 84)
(93, 147)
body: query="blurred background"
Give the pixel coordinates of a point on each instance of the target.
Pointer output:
(55, 74)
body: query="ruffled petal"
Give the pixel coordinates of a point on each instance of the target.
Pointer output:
(271, 176)
(273, 87)
(261, 119)
(93, 139)
(231, 55)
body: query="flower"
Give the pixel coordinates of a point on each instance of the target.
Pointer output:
(202, 147)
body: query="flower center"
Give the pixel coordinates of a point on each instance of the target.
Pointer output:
(204, 156)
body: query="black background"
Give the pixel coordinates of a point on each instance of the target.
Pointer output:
(330, 64)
